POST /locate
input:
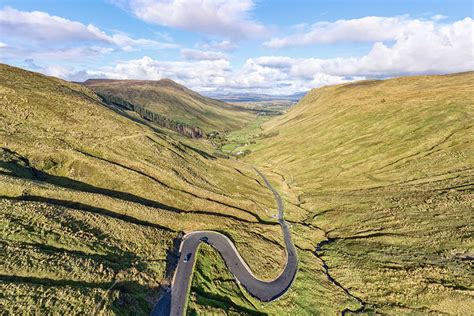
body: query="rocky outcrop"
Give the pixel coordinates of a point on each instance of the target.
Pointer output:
(182, 128)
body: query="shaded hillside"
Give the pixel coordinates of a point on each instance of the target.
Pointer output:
(172, 105)
(91, 201)
(385, 168)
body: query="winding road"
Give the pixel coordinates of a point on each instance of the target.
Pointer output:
(174, 302)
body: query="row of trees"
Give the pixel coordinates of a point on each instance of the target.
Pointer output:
(182, 128)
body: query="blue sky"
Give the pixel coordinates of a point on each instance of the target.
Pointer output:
(275, 47)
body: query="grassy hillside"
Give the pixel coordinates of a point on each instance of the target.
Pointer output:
(91, 201)
(175, 102)
(385, 169)
(376, 177)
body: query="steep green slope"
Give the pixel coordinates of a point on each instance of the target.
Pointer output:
(91, 200)
(385, 168)
(175, 102)
(376, 176)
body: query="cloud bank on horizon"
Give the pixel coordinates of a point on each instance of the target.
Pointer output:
(235, 45)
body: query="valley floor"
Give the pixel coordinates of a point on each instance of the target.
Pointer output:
(378, 178)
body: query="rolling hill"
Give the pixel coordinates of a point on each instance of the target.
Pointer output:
(93, 202)
(385, 169)
(173, 102)
(376, 178)
(255, 97)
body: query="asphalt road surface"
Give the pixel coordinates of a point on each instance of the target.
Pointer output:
(174, 302)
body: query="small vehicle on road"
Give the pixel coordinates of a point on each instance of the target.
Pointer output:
(204, 239)
(188, 256)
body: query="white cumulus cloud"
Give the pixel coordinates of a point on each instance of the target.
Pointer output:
(181, 71)
(224, 45)
(196, 54)
(36, 31)
(228, 18)
(400, 46)
(366, 29)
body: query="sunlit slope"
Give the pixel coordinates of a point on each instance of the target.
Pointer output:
(91, 200)
(385, 169)
(176, 102)
(376, 132)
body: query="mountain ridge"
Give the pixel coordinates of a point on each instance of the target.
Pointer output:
(385, 169)
(103, 197)
(175, 102)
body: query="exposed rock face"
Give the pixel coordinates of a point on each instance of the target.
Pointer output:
(192, 114)
(182, 128)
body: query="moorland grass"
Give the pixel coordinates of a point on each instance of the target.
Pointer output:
(64, 152)
(376, 179)
(385, 169)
